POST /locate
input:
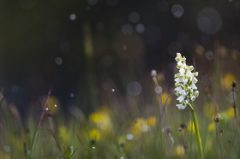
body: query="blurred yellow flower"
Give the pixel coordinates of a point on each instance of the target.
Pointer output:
(102, 119)
(209, 109)
(165, 98)
(94, 135)
(151, 121)
(64, 134)
(212, 127)
(227, 80)
(179, 151)
(140, 125)
(190, 127)
(52, 104)
(228, 114)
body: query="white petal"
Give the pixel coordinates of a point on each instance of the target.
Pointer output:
(177, 80)
(183, 92)
(193, 98)
(178, 89)
(180, 106)
(181, 71)
(180, 99)
(189, 74)
(185, 81)
(194, 86)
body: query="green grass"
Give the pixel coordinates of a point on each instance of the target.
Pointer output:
(112, 132)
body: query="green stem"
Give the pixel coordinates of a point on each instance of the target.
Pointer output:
(197, 132)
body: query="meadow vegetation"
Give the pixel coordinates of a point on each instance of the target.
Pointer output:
(116, 131)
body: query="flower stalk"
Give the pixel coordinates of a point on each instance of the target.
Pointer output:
(187, 92)
(196, 127)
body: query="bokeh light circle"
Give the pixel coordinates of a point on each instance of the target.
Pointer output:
(209, 21)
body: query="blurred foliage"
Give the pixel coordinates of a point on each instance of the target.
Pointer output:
(157, 130)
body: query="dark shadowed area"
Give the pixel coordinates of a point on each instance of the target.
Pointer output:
(83, 51)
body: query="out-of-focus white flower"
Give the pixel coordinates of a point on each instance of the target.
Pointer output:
(185, 83)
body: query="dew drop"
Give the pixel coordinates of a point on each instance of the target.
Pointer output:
(72, 16)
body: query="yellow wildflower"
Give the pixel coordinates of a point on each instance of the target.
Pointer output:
(102, 119)
(227, 80)
(212, 127)
(228, 114)
(151, 121)
(179, 151)
(165, 98)
(140, 125)
(94, 135)
(64, 134)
